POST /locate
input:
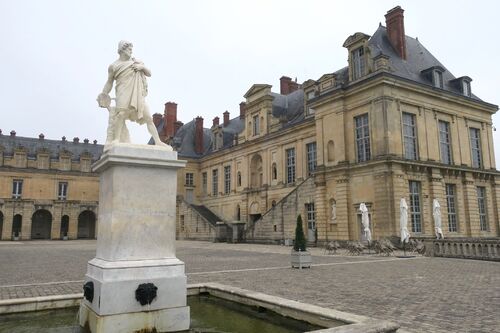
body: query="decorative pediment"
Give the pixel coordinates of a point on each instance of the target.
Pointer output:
(353, 39)
(256, 88)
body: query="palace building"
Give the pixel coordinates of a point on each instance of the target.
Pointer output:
(394, 123)
(47, 189)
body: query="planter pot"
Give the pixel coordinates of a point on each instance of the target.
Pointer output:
(301, 259)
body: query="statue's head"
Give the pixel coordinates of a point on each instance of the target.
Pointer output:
(123, 45)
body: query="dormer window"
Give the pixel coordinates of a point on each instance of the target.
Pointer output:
(462, 84)
(358, 63)
(466, 88)
(438, 79)
(435, 75)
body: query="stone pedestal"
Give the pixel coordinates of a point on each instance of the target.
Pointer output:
(136, 245)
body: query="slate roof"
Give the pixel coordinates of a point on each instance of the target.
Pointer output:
(33, 145)
(418, 59)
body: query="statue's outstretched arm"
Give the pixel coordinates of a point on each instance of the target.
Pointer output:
(109, 83)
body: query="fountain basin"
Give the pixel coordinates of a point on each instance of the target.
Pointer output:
(314, 318)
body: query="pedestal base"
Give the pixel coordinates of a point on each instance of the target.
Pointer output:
(166, 320)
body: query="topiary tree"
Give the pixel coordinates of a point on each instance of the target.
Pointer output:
(300, 238)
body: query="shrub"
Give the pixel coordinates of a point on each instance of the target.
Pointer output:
(300, 239)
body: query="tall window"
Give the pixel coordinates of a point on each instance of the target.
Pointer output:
(452, 210)
(410, 136)
(227, 179)
(204, 182)
(290, 165)
(475, 143)
(362, 137)
(358, 63)
(62, 193)
(311, 216)
(215, 181)
(481, 202)
(438, 79)
(415, 209)
(445, 142)
(189, 179)
(256, 125)
(17, 188)
(311, 157)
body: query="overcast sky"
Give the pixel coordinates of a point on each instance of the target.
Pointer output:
(205, 55)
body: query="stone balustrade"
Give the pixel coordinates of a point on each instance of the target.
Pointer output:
(467, 248)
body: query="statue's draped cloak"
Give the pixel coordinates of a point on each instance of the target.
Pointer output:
(131, 88)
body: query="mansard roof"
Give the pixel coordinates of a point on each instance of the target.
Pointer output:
(53, 147)
(418, 59)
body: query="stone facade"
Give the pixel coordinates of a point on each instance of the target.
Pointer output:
(47, 189)
(392, 124)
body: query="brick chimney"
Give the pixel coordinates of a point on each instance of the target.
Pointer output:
(170, 119)
(287, 86)
(157, 119)
(243, 108)
(198, 135)
(226, 118)
(215, 122)
(394, 21)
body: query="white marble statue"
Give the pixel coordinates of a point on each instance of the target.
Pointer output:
(403, 221)
(436, 213)
(131, 89)
(365, 220)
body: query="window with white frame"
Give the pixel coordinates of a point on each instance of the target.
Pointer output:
(311, 216)
(410, 136)
(17, 188)
(227, 179)
(481, 202)
(445, 142)
(438, 79)
(256, 125)
(311, 157)
(362, 137)
(358, 63)
(415, 208)
(475, 143)
(189, 179)
(290, 165)
(62, 193)
(215, 181)
(452, 207)
(466, 88)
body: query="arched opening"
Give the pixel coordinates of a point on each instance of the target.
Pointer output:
(41, 224)
(256, 171)
(17, 223)
(274, 171)
(1, 224)
(86, 225)
(331, 151)
(64, 226)
(238, 213)
(254, 213)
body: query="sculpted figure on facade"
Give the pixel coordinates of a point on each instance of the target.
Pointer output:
(130, 104)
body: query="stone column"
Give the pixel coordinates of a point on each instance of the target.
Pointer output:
(321, 207)
(471, 206)
(136, 245)
(342, 198)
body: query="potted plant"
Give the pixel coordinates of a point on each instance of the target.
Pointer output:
(300, 257)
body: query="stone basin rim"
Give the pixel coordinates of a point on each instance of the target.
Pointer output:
(290, 308)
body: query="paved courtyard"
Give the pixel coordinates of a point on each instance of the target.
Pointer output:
(421, 294)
